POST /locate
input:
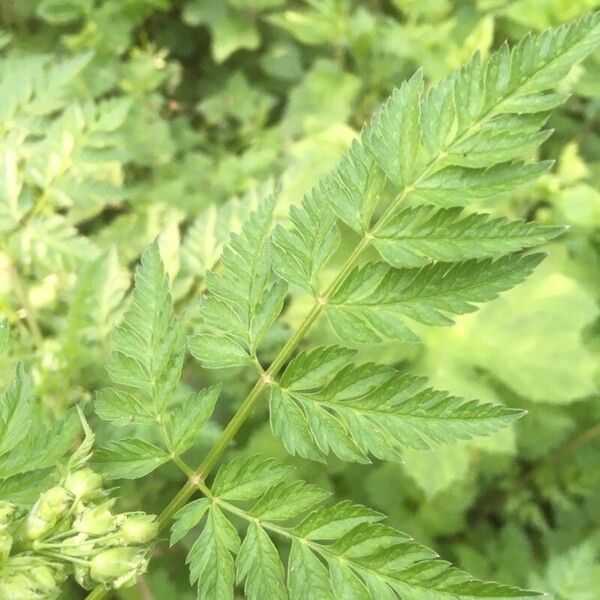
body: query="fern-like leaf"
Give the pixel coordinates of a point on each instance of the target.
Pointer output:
(148, 349)
(375, 299)
(339, 551)
(422, 234)
(360, 410)
(244, 299)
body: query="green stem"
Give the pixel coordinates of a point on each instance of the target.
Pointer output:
(248, 404)
(96, 594)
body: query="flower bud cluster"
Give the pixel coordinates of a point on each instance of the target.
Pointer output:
(71, 530)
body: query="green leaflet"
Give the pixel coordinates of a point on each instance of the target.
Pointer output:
(15, 411)
(340, 551)
(259, 565)
(244, 299)
(129, 458)
(456, 186)
(187, 518)
(375, 299)
(324, 403)
(148, 348)
(247, 478)
(187, 419)
(210, 559)
(418, 235)
(299, 254)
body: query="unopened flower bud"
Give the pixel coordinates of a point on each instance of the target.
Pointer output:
(82, 576)
(43, 577)
(6, 541)
(38, 583)
(83, 483)
(36, 527)
(139, 528)
(53, 503)
(118, 567)
(46, 511)
(95, 520)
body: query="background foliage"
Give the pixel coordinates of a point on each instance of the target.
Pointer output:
(123, 120)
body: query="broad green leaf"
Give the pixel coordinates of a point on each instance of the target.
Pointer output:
(360, 410)
(231, 29)
(375, 299)
(129, 458)
(416, 236)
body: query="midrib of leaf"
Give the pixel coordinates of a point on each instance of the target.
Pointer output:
(390, 412)
(267, 377)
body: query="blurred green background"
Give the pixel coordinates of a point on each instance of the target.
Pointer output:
(122, 120)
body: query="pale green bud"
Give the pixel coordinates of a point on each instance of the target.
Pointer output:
(36, 527)
(82, 576)
(118, 567)
(6, 541)
(95, 520)
(38, 583)
(138, 528)
(53, 503)
(44, 578)
(83, 483)
(46, 511)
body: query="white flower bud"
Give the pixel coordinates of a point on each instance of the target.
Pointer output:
(139, 528)
(95, 520)
(118, 567)
(83, 483)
